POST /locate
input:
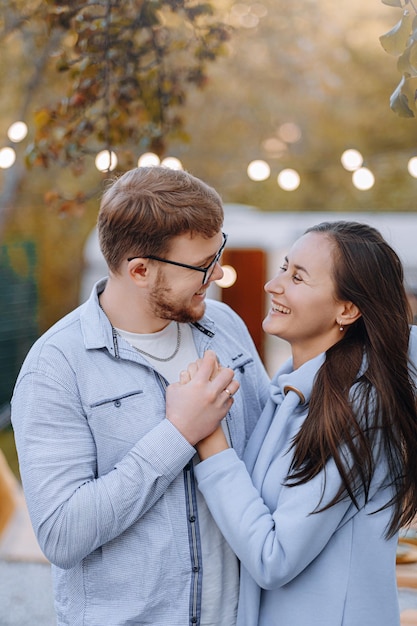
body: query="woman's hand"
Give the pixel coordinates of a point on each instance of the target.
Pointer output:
(214, 443)
(197, 404)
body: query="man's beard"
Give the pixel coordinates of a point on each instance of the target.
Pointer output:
(165, 308)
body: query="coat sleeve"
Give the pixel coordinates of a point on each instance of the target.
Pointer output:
(412, 353)
(273, 545)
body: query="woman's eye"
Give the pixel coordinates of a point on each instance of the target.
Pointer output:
(295, 277)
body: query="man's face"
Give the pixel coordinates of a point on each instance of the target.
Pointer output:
(177, 292)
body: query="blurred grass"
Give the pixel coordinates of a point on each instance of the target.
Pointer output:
(8, 448)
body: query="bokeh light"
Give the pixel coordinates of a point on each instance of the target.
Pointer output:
(17, 131)
(106, 161)
(172, 163)
(229, 277)
(412, 167)
(289, 179)
(274, 146)
(258, 170)
(7, 158)
(289, 132)
(351, 159)
(147, 159)
(363, 179)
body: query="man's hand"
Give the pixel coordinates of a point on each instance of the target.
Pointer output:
(197, 404)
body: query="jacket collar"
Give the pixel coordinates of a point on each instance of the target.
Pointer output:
(97, 330)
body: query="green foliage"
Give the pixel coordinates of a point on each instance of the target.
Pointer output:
(127, 68)
(401, 42)
(18, 311)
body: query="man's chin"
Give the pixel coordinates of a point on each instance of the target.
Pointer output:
(191, 315)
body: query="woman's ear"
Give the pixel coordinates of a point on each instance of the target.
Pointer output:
(349, 314)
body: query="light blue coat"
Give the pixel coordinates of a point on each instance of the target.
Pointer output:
(332, 568)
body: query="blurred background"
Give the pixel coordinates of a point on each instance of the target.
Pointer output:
(283, 107)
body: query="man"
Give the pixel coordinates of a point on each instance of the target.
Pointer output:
(108, 474)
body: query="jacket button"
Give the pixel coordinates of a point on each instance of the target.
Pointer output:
(192, 518)
(117, 403)
(196, 568)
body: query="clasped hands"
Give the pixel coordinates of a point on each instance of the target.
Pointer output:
(202, 397)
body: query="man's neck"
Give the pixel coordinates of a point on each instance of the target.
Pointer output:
(126, 311)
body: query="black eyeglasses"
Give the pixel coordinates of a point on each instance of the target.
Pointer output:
(208, 271)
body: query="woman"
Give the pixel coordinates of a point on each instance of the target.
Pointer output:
(330, 472)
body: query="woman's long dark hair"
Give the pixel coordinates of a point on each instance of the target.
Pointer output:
(368, 273)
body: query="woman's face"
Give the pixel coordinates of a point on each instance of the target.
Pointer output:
(304, 308)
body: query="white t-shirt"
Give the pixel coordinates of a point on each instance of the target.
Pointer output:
(220, 587)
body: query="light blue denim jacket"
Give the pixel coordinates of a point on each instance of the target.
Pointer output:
(108, 479)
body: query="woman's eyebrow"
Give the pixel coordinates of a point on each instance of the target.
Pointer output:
(300, 268)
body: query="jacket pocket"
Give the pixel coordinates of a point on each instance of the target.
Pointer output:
(119, 422)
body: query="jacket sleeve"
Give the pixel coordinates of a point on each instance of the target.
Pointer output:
(274, 546)
(73, 509)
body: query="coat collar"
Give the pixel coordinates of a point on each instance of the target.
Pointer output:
(299, 381)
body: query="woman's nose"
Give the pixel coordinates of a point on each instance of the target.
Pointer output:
(274, 285)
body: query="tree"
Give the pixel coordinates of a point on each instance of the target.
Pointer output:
(324, 70)
(121, 75)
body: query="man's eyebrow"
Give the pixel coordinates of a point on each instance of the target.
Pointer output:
(206, 260)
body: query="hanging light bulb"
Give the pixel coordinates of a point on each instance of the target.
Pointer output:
(17, 131)
(147, 159)
(106, 161)
(258, 170)
(288, 179)
(363, 179)
(7, 158)
(229, 277)
(351, 159)
(412, 167)
(172, 163)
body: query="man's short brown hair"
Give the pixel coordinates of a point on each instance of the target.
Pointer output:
(142, 210)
